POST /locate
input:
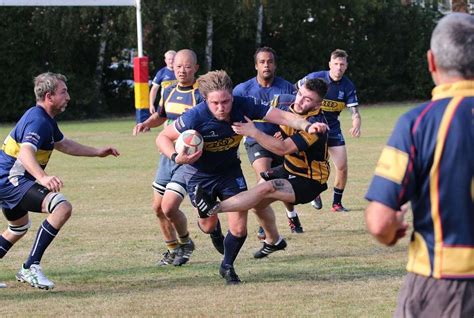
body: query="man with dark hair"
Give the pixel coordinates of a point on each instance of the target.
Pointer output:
(217, 168)
(24, 184)
(263, 88)
(429, 161)
(305, 169)
(341, 94)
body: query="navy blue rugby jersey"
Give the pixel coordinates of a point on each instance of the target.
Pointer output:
(341, 94)
(429, 161)
(221, 143)
(178, 99)
(263, 95)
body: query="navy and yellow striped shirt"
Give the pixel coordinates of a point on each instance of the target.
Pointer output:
(429, 160)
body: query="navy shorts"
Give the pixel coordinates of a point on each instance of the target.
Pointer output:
(166, 174)
(255, 151)
(336, 138)
(31, 201)
(218, 185)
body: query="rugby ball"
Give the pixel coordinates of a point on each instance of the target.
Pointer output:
(189, 142)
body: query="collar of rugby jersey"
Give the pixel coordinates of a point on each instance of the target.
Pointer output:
(461, 88)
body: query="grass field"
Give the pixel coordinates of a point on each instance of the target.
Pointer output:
(103, 260)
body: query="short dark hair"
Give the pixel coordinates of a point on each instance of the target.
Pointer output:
(317, 85)
(265, 49)
(338, 53)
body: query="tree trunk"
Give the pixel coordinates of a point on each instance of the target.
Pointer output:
(209, 36)
(258, 37)
(99, 69)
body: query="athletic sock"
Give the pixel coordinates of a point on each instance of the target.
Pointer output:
(291, 214)
(44, 237)
(172, 245)
(184, 239)
(5, 245)
(337, 195)
(217, 231)
(232, 245)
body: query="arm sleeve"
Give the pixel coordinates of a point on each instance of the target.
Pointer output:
(393, 182)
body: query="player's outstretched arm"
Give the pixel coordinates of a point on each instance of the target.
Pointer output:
(153, 121)
(284, 118)
(278, 146)
(71, 147)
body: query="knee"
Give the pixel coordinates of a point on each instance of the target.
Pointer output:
(64, 210)
(208, 225)
(265, 189)
(238, 229)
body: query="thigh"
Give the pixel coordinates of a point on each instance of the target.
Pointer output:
(305, 189)
(339, 156)
(32, 201)
(165, 171)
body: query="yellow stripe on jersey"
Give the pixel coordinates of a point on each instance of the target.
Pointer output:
(223, 144)
(434, 190)
(332, 105)
(177, 108)
(141, 96)
(418, 256)
(12, 148)
(457, 261)
(165, 84)
(392, 164)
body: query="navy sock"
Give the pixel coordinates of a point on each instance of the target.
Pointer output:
(5, 245)
(337, 195)
(217, 231)
(232, 245)
(44, 237)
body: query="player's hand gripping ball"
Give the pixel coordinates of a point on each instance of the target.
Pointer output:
(189, 142)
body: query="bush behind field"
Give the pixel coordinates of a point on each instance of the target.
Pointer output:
(385, 40)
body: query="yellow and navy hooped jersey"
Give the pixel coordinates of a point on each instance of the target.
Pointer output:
(311, 159)
(35, 128)
(177, 99)
(429, 160)
(341, 94)
(221, 143)
(263, 95)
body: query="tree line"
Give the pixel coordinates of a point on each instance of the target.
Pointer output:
(386, 42)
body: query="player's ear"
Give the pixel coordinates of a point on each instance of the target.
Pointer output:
(196, 68)
(431, 61)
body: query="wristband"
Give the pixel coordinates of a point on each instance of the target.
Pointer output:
(307, 128)
(173, 157)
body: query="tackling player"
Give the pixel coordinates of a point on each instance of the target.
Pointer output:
(217, 167)
(305, 169)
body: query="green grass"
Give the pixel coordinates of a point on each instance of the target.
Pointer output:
(103, 260)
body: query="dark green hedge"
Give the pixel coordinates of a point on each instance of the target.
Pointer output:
(386, 42)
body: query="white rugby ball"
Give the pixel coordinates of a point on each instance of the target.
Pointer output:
(189, 142)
